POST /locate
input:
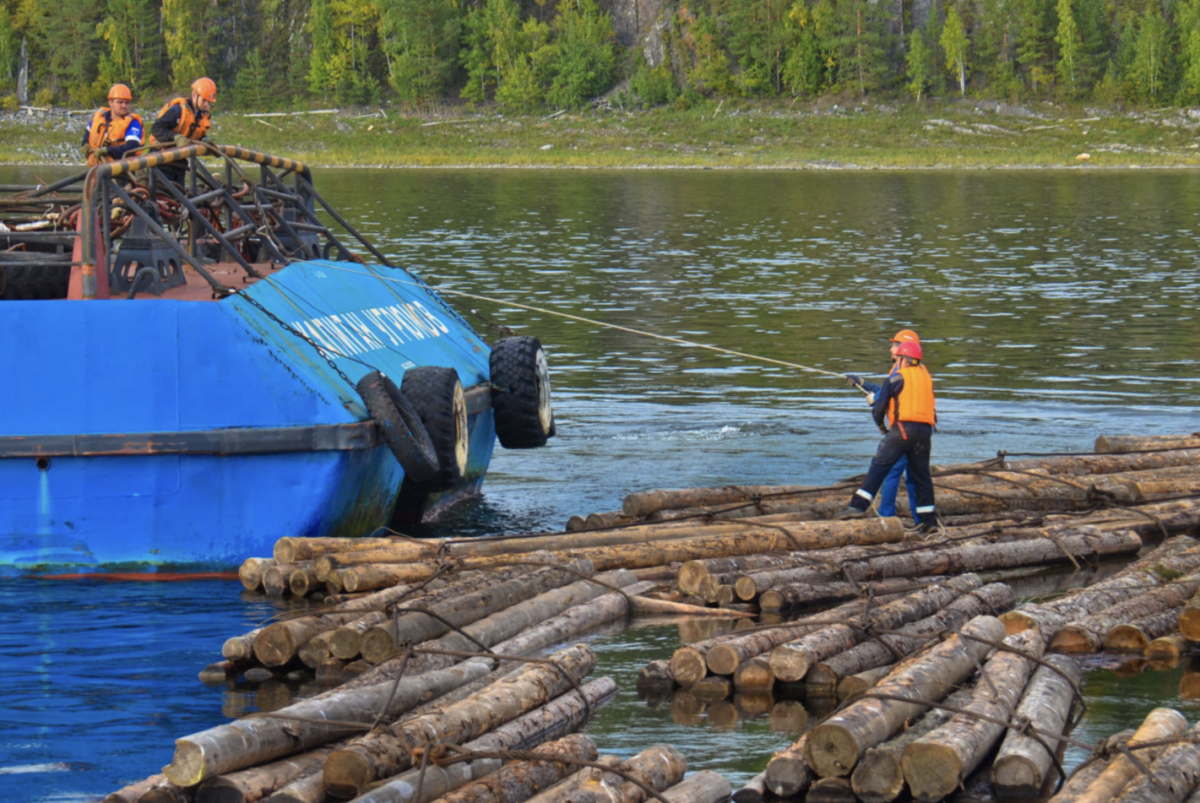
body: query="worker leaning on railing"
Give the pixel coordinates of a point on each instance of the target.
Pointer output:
(184, 120)
(114, 130)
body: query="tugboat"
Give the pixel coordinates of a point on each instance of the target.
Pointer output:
(195, 371)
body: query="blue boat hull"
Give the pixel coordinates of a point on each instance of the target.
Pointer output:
(177, 437)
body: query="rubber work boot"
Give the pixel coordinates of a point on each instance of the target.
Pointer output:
(923, 530)
(850, 512)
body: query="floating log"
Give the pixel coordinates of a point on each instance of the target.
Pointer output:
(855, 685)
(1168, 648)
(381, 641)
(256, 783)
(302, 580)
(659, 767)
(755, 790)
(836, 745)
(1176, 773)
(754, 675)
(692, 573)
(655, 677)
(646, 606)
(1108, 444)
(133, 793)
(517, 781)
(941, 760)
(663, 574)
(240, 648)
(275, 578)
(1087, 634)
(795, 597)
(791, 661)
(1160, 724)
(1189, 620)
(705, 786)
(279, 643)
(433, 782)
(167, 792)
(250, 572)
(350, 770)
(1137, 636)
(290, 550)
(256, 740)
(830, 790)
(1079, 780)
(879, 776)
(1022, 766)
(826, 675)
(712, 689)
(788, 773)
(690, 664)
(642, 504)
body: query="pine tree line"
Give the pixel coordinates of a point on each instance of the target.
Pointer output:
(526, 54)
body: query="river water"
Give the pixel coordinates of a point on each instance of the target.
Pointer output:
(1053, 307)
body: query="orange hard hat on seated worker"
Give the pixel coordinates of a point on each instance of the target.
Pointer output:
(906, 336)
(205, 88)
(120, 92)
(910, 349)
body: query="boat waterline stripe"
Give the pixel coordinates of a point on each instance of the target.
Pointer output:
(233, 441)
(244, 440)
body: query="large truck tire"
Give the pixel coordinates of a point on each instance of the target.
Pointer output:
(400, 426)
(437, 396)
(34, 282)
(521, 393)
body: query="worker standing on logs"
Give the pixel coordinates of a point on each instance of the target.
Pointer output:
(891, 483)
(113, 130)
(185, 120)
(906, 401)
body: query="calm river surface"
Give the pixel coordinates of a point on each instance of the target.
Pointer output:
(1053, 307)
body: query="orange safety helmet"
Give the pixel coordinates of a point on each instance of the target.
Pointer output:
(906, 336)
(910, 349)
(120, 92)
(205, 88)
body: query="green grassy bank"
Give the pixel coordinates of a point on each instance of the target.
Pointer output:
(957, 135)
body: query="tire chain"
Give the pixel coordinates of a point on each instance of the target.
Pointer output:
(294, 331)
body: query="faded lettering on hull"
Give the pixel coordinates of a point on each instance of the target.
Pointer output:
(367, 330)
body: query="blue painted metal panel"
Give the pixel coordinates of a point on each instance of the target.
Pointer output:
(160, 365)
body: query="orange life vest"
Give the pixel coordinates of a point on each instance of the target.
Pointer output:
(915, 402)
(191, 125)
(106, 131)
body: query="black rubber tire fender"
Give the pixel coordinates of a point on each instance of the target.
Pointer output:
(35, 282)
(437, 395)
(521, 393)
(400, 426)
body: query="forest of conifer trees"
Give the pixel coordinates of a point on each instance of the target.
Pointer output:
(529, 54)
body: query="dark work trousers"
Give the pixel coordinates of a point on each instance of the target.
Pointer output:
(894, 446)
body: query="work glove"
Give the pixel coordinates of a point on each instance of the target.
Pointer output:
(101, 151)
(870, 399)
(182, 142)
(87, 149)
(853, 380)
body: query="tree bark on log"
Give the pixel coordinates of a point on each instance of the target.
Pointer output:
(167, 792)
(788, 773)
(642, 504)
(755, 790)
(940, 761)
(256, 740)
(795, 597)
(517, 781)
(349, 771)
(791, 661)
(659, 767)
(255, 783)
(1023, 765)
(689, 664)
(655, 677)
(836, 745)
(1189, 621)
(705, 786)
(436, 781)
(1176, 773)
(290, 550)
(275, 579)
(1110, 444)
(992, 599)
(854, 685)
(134, 791)
(279, 643)
(1087, 634)
(250, 572)
(1161, 723)
(240, 648)
(1079, 780)
(1137, 636)
(694, 571)
(383, 640)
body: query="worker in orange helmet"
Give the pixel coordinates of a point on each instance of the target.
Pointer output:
(114, 130)
(184, 120)
(891, 483)
(906, 400)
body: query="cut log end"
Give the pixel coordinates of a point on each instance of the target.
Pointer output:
(722, 660)
(274, 646)
(187, 765)
(688, 666)
(1016, 775)
(1017, 622)
(377, 644)
(832, 751)
(1126, 638)
(345, 644)
(347, 773)
(1072, 640)
(932, 771)
(878, 778)
(788, 775)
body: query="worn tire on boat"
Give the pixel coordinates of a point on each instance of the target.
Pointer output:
(521, 393)
(437, 396)
(400, 426)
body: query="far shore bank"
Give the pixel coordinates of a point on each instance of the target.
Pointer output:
(763, 136)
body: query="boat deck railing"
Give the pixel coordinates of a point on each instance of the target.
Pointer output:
(224, 214)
